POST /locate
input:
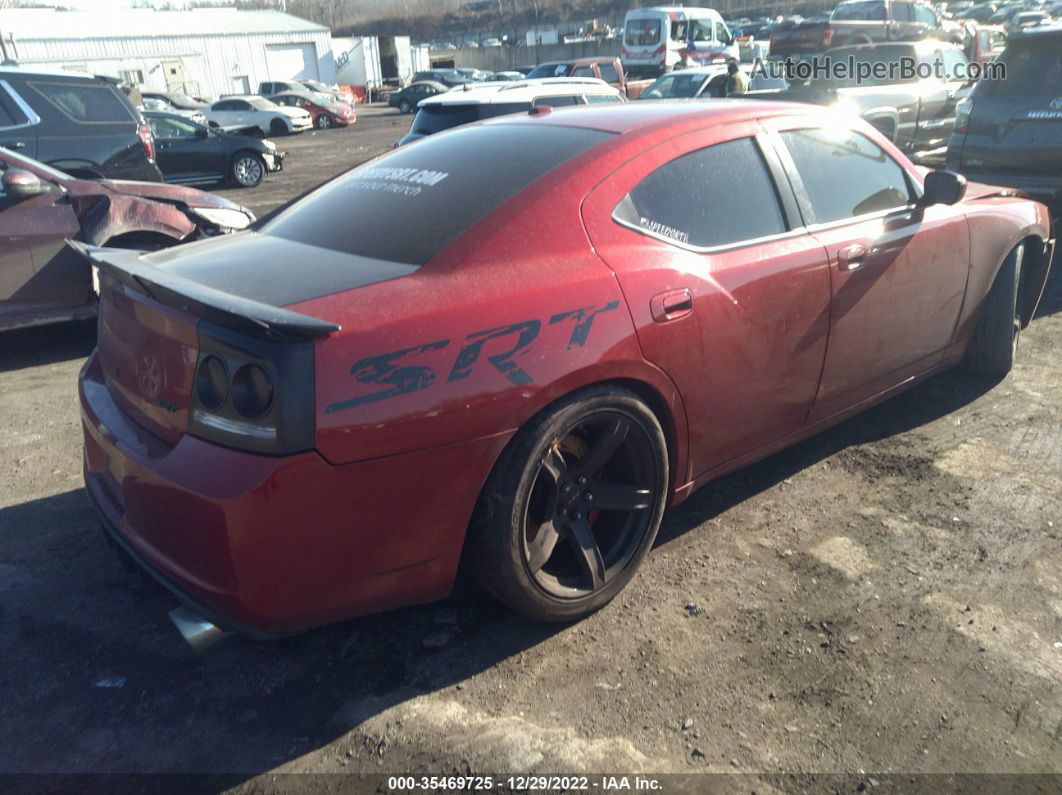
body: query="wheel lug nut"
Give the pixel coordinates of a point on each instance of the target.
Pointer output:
(589, 496)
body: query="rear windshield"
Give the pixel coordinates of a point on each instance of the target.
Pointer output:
(436, 117)
(1034, 69)
(675, 86)
(408, 205)
(860, 10)
(552, 70)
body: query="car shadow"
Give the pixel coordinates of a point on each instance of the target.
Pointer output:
(77, 623)
(40, 345)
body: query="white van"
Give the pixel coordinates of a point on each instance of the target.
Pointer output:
(655, 39)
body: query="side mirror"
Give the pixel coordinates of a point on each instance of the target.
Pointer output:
(23, 184)
(201, 132)
(943, 187)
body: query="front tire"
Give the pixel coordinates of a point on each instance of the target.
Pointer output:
(278, 127)
(994, 345)
(247, 170)
(572, 506)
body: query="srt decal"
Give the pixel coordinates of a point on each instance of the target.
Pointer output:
(388, 369)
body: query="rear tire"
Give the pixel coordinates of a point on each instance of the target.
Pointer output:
(994, 344)
(572, 506)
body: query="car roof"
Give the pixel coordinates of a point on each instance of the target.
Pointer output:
(23, 71)
(520, 91)
(643, 118)
(1040, 30)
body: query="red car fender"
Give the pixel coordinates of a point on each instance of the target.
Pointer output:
(997, 224)
(114, 215)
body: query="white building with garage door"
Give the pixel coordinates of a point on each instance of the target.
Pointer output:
(201, 52)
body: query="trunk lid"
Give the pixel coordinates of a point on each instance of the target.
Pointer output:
(148, 354)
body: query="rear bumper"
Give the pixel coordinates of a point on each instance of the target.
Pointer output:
(266, 545)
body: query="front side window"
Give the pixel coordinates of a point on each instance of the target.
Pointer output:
(717, 196)
(702, 30)
(609, 73)
(845, 173)
(583, 71)
(678, 31)
(642, 32)
(169, 127)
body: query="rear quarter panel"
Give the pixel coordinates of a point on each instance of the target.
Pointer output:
(514, 315)
(997, 224)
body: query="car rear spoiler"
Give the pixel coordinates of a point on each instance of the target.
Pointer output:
(208, 303)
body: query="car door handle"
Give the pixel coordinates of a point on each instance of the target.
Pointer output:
(15, 145)
(671, 305)
(851, 257)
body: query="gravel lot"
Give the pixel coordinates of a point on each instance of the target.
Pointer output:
(883, 598)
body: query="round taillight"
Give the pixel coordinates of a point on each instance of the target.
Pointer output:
(252, 391)
(212, 382)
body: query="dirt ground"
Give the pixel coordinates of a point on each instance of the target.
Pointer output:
(884, 598)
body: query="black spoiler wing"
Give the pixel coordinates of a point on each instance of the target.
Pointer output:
(208, 303)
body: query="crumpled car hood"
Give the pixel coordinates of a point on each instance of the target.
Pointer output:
(172, 193)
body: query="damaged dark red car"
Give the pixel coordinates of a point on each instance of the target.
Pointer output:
(322, 417)
(41, 279)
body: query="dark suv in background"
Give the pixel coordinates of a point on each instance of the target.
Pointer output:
(1009, 132)
(81, 124)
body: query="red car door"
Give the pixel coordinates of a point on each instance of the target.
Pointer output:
(898, 271)
(729, 295)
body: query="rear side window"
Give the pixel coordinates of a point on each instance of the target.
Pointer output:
(408, 205)
(435, 118)
(845, 173)
(10, 114)
(711, 197)
(89, 103)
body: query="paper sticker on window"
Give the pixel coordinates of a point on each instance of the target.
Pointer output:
(658, 228)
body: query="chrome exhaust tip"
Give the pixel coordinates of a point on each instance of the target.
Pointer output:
(197, 631)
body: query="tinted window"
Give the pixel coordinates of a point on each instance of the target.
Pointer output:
(601, 98)
(557, 102)
(407, 205)
(925, 15)
(873, 10)
(583, 71)
(845, 173)
(702, 30)
(609, 73)
(692, 199)
(676, 85)
(644, 32)
(1034, 69)
(85, 102)
(903, 12)
(431, 119)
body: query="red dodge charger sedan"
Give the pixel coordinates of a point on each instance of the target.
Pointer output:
(323, 416)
